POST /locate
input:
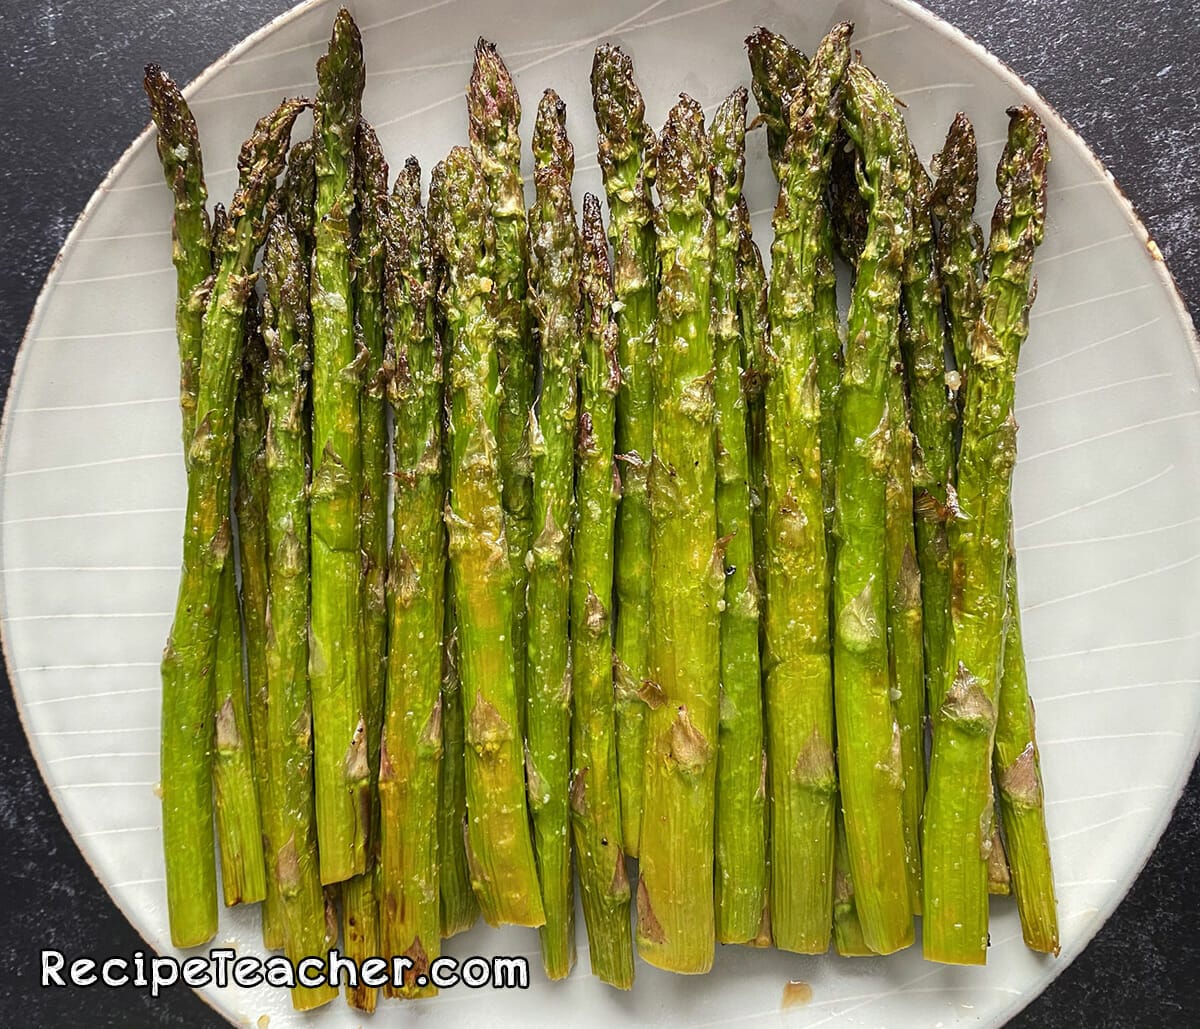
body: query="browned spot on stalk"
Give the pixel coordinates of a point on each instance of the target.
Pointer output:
(577, 797)
(688, 747)
(287, 868)
(228, 737)
(356, 764)
(648, 925)
(967, 704)
(1019, 781)
(619, 887)
(814, 764)
(487, 731)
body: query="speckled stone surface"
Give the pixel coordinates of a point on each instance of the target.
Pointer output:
(1126, 77)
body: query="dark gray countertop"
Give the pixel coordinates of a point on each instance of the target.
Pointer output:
(70, 101)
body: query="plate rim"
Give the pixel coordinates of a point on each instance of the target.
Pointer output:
(910, 8)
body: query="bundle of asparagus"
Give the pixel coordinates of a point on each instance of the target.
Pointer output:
(693, 602)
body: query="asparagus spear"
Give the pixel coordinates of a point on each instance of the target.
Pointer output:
(235, 779)
(780, 75)
(360, 905)
(250, 507)
(494, 121)
(799, 698)
(626, 149)
(922, 344)
(289, 818)
(755, 330)
(905, 634)
(459, 908)
(411, 752)
(188, 695)
(595, 792)
(959, 243)
(958, 254)
(904, 619)
(194, 912)
(499, 846)
(340, 731)
(178, 144)
(778, 71)
(958, 808)
(675, 893)
(1018, 771)
(870, 755)
(741, 831)
(554, 298)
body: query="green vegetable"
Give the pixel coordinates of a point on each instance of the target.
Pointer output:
(411, 752)
(676, 927)
(499, 845)
(188, 692)
(339, 701)
(554, 264)
(289, 815)
(871, 751)
(958, 807)
(1018, 770)
(494, 122)
(459, 908)
(799, 697)
(741, 828)
(250, 508)
(625, 149)
(959, 244)
(595, 787)
(360, 902)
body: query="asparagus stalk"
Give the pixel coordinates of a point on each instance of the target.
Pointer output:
(411, 752)
(499, 846)
(871, 752)
(799, 697)
(778, 71)
(626, 148)
(847, 929)
(922, 343)
(494, 121)
(958, 254)
(235, 792)
(250, 507)
(904, 619)
(188, 693)
(905, 634)
(959, 243)
(360, 904)
(339, 702)
(235, 779)
(554, 263)
(289, 817)
(178, 144)
(755, 333)
(958, 808)
(741, 829)
(193, 908)
(779, 74)
(1018, 771)
(459, 908)
(675, 893)
(595, 791)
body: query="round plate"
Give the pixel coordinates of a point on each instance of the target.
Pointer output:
(1107, 488)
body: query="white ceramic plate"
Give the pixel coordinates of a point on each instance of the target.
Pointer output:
(1107, 489)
